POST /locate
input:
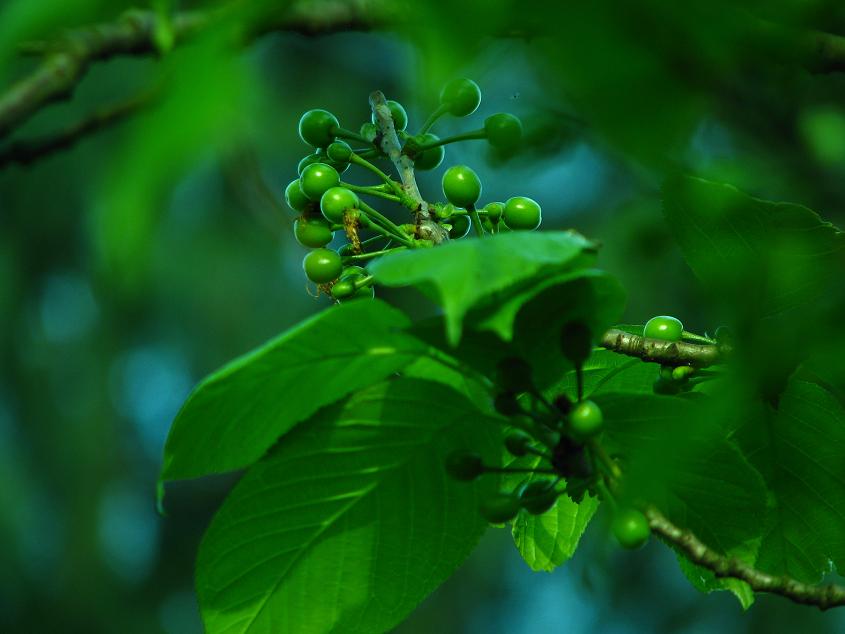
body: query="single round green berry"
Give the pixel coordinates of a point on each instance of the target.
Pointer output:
(316, 157)
(312, 232)
(400, 117)
(464, 465)
(506, 404)
(460, 226)
(585, 420)
(630, 527)
(317, 127)
(432, 157)
(664, 327)
(500, 508)
(336, 201)
(322, 265)
(503, 130)
(514, 375)
(363, 292)
(538, 496)
(368, 131)
(461, 96)
(461, 186)
(339, 152)
(576, 342)
(522, 214)
(316, 179)
(517, 443)
(294, 197)
(682, 373)
(494, 211)
(343, 289)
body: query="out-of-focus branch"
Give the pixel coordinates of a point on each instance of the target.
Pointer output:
(27, 151)
(66, 60)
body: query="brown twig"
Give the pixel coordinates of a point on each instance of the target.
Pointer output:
(665, 352)
(823, 597)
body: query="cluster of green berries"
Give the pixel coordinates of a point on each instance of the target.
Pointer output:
(560, 437)
(326, 205)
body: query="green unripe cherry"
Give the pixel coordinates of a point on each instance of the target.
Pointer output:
(339, 152)
(664, 327)
(538, 496)
(322, 265)
(368, 131)
(630, 527)
(460, 226)
(335, 201)
(316, 127)
(462, 96)
(464, 465)
(500, 508)
(316, 157)
(514, 375)
(343, 289)
(316, 179)
(461, 186)
(294, 197)
(364, 292)
(522, 214)
(503, 130)
(494, 211)
(432, 157)
(312, 232)
(585, 420)
(400, 117)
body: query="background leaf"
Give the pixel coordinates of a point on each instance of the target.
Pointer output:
(352, 521)
(237, 413)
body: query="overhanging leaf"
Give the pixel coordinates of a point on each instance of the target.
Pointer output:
(235, 415)
(459, 274)
(352, 521)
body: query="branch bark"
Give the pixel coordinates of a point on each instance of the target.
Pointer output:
(388, 141)
(67, 59)
(665, 352)
(823, 597)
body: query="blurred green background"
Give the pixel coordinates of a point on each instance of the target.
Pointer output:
(152, 252)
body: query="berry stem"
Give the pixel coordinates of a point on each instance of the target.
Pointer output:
(372, 254)
(343, 133)
(371, 191)
(476, 221)
(466, 136)
(387, 223)
(598, 451)
(433, 117)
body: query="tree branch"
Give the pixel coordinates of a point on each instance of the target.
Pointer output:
(27, 151)
(665, 352)
(823, 597)
(388, 141)
(67, 59)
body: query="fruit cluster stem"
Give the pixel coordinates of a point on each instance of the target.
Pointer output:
(389, 143)
(823, 597)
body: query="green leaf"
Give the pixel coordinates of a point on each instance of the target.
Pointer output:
(800, 450)
(606, 371)
(352, 520)
(781, 255)
(546, 541)
(235, 415)
(499, 312)
(461, 273)
(676, 456)
(706, 581)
